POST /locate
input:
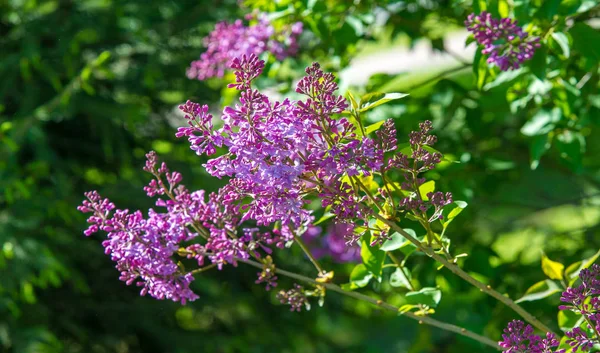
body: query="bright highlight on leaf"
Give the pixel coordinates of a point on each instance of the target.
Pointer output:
(552, 269)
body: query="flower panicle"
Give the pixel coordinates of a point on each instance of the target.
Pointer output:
(506, 43)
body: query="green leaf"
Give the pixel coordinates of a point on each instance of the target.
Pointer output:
(397, 241)
(538, 63)
(428, 296)
(586, 40)
(538, 146)
(325, 217)
(372, 258)
(563, 41)
(506, 77)
(542, 122)
(359, 278)
(503, 8)
(552, 269)
(572, 271)
(397, 279)
(394, 242)
(356, 24)
(27, 293)
(352, 100)
(540, 290)
(406, 308)
(568, 320)
(548, 9)
(372, 100)
(460, 206)
(480, 69)
(426, 188)
(374, 127)
(571, 146)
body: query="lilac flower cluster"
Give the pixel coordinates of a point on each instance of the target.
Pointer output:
(229, 41)
(518, 338)
(144, 247)
(507, 45)
(279, 155)
(583, 300)
(279, 152)
(295, 298)
(422, 158)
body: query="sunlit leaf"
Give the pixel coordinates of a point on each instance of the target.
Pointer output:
(426, 188)
(397, 241)
(372, 100)
(572, 271)
(401, 278)
(568, 319)
(540, 290)
(459, 207)
(552, 269)
(374, 127)
(563, 41)
(428, 296)
(372, 258)
(359, 278)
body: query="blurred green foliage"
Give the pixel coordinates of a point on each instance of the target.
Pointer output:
(89, 86)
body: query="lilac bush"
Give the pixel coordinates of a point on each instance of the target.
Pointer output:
(506, 43)
(281, 156)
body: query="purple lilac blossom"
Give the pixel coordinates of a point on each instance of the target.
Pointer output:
(422, 158)
(519, 338)
(333, 243)
(278, 152)
(276, 149)
(583, 300)
(228, 41)
(507, 45)
(144, 247)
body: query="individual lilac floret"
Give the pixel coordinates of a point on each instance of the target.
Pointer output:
(507, 45)
(229, 41)
(519, 338)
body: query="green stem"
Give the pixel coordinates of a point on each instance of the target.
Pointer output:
(468, 278)
(421, 319)
(366, 190)
(308, 254)
(203, 269)
(462, 274)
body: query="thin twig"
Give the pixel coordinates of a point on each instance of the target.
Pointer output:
(203, 269)
(308, 254)
(470, 279)
(421, 319)
(401, 268)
